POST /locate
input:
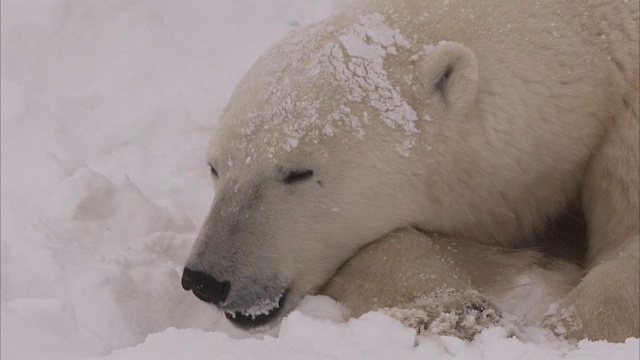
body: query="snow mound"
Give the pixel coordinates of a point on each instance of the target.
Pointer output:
(372, 336)
(107, 107)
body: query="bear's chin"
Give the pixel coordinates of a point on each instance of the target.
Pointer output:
(258, 316)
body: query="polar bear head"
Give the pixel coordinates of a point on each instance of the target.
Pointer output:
(319, 152)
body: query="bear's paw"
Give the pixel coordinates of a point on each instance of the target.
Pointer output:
(463, 314)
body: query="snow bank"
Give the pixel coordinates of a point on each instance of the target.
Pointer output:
(107, 107)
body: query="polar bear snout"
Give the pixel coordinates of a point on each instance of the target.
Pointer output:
(205, 287)
(247, 307)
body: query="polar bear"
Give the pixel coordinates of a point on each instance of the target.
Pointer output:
(480, 120)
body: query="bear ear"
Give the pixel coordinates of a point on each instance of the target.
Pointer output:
(450, 71)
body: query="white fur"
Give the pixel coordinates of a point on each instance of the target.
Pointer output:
(410, 265)
(480, 120)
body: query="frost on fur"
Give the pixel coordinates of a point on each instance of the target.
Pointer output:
(463, 314)
(356, 62)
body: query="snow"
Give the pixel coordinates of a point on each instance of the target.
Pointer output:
(367, 44)
(107, 107)
(346, 61)
(263, 307)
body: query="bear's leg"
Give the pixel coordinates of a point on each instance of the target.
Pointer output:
(606, 303)
(418, 279)
(604, 306)
(450, 286)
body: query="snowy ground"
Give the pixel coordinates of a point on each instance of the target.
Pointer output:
(107, 107)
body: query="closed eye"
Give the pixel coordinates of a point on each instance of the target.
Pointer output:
(213, 171)
(297, 176)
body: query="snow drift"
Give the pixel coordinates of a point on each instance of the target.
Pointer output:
(107, 107)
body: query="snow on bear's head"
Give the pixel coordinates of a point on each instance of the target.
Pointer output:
(315, 157)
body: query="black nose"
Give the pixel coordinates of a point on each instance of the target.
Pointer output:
(205, 287)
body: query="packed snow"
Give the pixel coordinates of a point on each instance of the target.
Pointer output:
(107, 107)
